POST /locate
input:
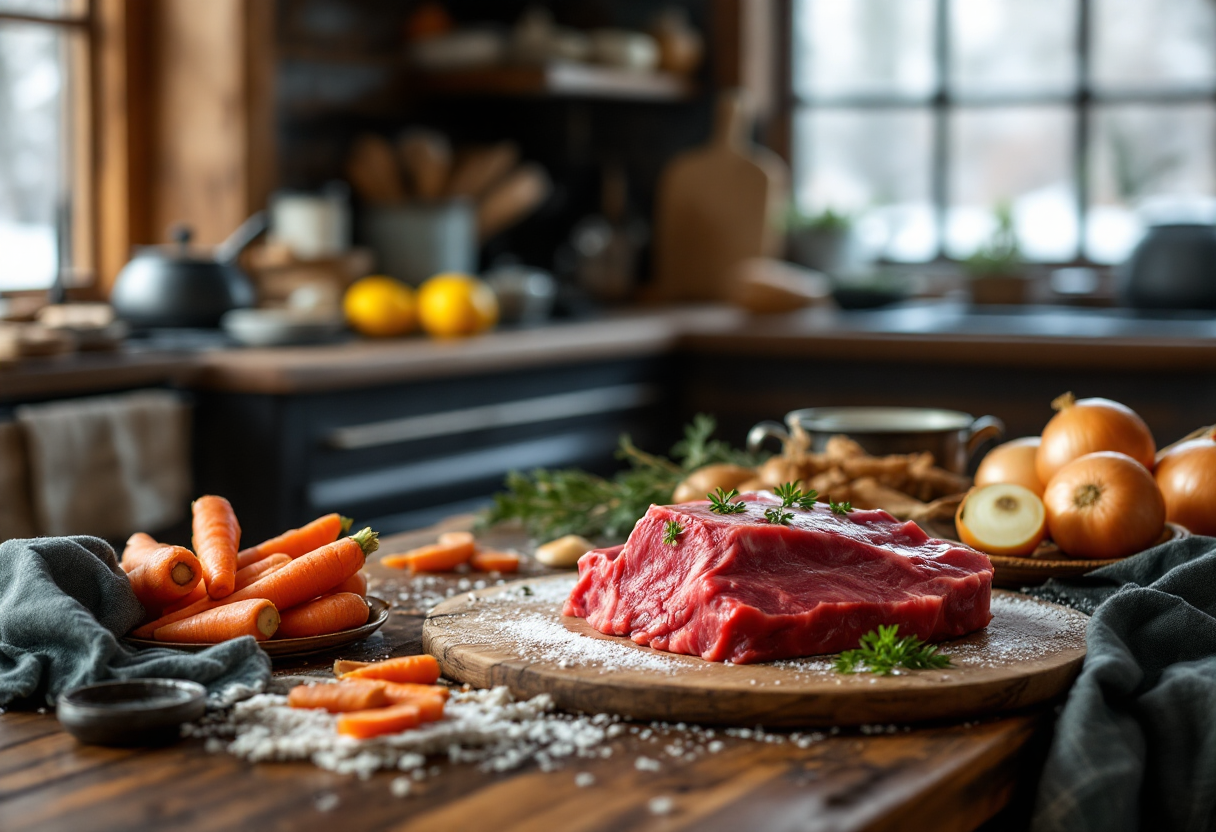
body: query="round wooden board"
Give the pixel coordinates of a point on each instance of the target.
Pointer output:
(515, 636)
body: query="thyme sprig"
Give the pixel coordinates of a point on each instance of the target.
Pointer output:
(671, 532)
(778, 516)
(791, 495)
(840, 508)
(720, 502)
(881, 651)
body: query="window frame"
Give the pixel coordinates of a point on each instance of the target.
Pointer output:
(1083, 100)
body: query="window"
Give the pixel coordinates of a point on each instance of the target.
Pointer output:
(1085, 118)
(44, 142)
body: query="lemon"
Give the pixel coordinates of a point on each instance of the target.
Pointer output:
(452, 304)
(380, 306)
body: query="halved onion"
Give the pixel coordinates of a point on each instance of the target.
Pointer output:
(1012, 462)
(1090, 425)
(1002, 519)
(1104, 505)
(1186, 475)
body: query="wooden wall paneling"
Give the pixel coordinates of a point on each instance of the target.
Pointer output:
(745, 41)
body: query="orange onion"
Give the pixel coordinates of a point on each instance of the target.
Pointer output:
(1012, 463)
(1186, 475)
(1104, 505)
(1089, 425)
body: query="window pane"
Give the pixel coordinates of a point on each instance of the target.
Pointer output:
(852, 47)
(875, 167)
(1013, 46)
(1019, 156)
(1162, 43)
(31, 132)
(1146, 160)
(45, 8)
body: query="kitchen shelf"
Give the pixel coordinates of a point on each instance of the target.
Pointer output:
(557, 80)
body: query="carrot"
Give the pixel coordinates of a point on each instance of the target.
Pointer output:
(399, 692)
(344, 666)
(217, 536)
(366, 724)
(303, 579)
(340, 698)
(297, 542)
(453, 549)
(256, 617)
(256, 571)
(356, 583)
(422, 670)
(165, 576)
(323, 616)
(199, 593)
(139, 546)
(488, 560)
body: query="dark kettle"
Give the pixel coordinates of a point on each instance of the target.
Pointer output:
(174, 286)
(1173, 267)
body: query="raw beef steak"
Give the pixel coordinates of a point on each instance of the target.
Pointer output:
(740, 588)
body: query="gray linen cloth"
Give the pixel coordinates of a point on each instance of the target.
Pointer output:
(64, 604)
(1135, 746)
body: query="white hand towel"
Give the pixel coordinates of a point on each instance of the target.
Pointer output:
(108, 466)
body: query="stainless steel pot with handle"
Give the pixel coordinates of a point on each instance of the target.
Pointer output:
(953, 437)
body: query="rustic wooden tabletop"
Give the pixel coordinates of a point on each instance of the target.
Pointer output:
(943, 777)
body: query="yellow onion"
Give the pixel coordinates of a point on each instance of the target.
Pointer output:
(1104, 505)
(1186, 475)
(1086, 426)
(1012, 463)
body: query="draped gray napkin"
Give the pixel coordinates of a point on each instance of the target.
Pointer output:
(1135, 746)
(64, 605)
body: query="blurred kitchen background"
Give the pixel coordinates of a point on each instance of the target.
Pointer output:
(731, 206)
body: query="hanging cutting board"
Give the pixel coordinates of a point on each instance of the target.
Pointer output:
(717, 205)
(517, 637)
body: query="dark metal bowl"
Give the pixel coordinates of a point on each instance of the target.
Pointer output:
(131, 713)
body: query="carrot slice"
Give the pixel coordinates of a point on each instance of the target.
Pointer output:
(340, 698)
(344, 666)
(139, 546)
(443, 556)
(488, 560)
(256, 617)
(216, 539)
(421, 669)
(303, 579)
(299, 541)
(399, 692)
(326, 615)
(164, 576)
(366, 724)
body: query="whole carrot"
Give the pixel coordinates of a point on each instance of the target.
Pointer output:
(366, 724)
(301, 580)
(256, 617)
(243, 578)
(299, 541)
(453, 549)
(166, 575)
(356, 583)
(339, 698)
(330, 614)
(217, 536)
(421, 669)
(139, 546)
(199, 593)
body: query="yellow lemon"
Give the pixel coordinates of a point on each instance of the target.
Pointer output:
(454, 304)
(380, 306)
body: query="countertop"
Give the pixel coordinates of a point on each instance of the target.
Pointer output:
(920, 332)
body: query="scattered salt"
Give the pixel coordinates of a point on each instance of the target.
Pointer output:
(662, 805)
(647, 764)
(584, 779)
(326, 802)
(400, 787)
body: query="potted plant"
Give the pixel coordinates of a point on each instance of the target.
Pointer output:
(820, 241)
(996, 270)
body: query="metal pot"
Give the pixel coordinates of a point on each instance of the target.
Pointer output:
(953, 437)
(175, 286)
(1174, 267)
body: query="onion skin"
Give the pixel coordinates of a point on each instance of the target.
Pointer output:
(1088, 426)
(1103, 506)
(1186, 475)
(1013, 462)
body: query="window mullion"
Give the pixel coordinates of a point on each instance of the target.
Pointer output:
(1084, 100)
(941, 125)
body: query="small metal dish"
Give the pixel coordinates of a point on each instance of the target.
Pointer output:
(131, 713)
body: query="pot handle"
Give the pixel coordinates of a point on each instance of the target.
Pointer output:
(239, 240)
(983, 429)
(765, 430)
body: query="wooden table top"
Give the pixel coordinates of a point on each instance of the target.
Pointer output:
(945, 777)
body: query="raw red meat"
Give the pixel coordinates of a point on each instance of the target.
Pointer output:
(740, 588)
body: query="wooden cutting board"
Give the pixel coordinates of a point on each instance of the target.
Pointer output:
(1029, 654)
(717, 206)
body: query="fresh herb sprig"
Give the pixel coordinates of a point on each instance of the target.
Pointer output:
(881, 651)
(840, 508)
(550, 503)
(671, 532)
(791, 495)
(720, 502)
(778, 516)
